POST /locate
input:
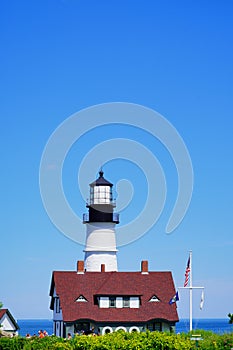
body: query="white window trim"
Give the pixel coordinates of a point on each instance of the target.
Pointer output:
(121, 328)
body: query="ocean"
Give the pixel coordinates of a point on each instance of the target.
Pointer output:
(218, 326)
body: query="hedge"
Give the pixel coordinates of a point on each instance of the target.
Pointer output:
(122, 341)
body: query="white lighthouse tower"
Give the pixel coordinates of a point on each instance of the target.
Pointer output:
(100, 227)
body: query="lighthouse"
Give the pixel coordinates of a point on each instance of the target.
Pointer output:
(100, 221)
(96, 295)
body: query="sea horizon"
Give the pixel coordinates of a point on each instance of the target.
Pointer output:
(216, 325)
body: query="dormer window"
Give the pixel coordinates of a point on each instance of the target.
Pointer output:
(154, 298)
(81, 299)
(126, 301)
(117, 302)
(112, 301)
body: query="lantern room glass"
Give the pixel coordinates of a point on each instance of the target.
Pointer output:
(101, 195)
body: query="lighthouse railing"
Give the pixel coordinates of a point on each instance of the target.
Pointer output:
(115, 217)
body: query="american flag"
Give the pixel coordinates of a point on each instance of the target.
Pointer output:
(187, 271)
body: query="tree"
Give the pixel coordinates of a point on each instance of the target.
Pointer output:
(230, 318)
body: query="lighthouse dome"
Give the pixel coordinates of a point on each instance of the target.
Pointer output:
(101, 181)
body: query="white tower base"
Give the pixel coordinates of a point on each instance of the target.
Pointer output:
(94, 260)
(100, 247)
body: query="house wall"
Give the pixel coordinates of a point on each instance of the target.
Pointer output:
(68, 329)
(160, 326)
(57, 316)
(57, 312)
(130, 327)
(7, 324)
(58, 328)
(102, 328)
(167, 327)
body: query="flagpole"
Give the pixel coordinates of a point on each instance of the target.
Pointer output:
(189, 278)
(191, 294)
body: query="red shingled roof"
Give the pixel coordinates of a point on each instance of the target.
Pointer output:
(2, 312)
(70, 285)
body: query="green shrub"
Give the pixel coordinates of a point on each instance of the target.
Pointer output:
(122, 341)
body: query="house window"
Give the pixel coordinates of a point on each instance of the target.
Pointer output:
(112, 302)
(154, 326)
(158, 326)
(57, 305)
(126, 302)
(81, 327)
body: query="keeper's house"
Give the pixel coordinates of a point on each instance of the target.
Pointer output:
(97, 296)
(109, 301)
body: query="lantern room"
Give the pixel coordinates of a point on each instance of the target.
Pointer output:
(101, 191)
(101, 203)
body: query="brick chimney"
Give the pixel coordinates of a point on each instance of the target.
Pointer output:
(102, 267)
(144, 267)
(80, 266)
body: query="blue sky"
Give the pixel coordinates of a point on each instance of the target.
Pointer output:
(60, 56)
